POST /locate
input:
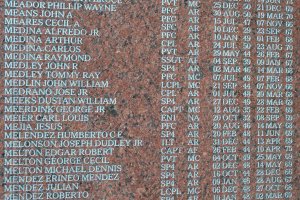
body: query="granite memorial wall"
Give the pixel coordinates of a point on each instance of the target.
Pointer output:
(150, 99)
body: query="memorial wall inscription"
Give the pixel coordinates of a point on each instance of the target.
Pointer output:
(162, 99)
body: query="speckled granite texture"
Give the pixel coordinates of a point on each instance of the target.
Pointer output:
(128, 54)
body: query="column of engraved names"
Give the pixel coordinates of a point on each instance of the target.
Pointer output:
(270, 99)
(226, 109)
(193, 77)
(170, 62)
(44, 89)
(26, 142)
